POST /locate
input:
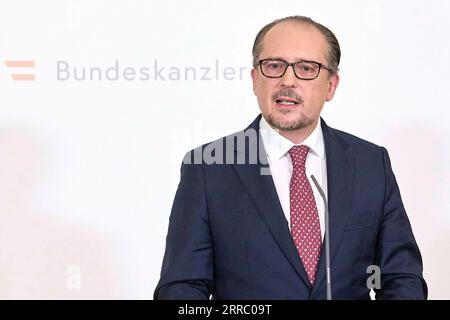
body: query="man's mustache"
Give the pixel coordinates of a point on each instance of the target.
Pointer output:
(289, 93)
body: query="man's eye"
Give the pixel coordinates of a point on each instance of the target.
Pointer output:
(274, 65)
(306, 68)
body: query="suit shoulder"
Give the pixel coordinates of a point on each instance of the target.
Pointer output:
(218, 149)
(364, 151)
(354, 141)
(222, 140)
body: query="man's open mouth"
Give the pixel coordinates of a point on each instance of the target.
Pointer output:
(287, 101)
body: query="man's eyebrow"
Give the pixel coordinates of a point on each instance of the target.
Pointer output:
(274, 58)
(294, 60)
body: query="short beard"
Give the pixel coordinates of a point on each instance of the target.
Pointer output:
(297, 124)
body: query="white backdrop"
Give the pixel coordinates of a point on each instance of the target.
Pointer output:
(89, 167)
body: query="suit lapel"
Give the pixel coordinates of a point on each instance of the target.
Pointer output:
(262, 190)
(340, 168)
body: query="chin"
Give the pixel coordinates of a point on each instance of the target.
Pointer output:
(289, 122)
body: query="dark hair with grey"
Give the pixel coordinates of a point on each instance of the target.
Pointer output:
(334, 51)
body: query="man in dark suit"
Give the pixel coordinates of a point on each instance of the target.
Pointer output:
(248, 222)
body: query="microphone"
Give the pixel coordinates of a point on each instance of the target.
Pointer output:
(327, 237)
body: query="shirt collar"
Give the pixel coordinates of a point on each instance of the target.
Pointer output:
(277, 146)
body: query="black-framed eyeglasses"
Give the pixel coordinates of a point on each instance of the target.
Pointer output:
(303, 69)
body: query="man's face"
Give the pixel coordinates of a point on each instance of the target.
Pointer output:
(293, 41)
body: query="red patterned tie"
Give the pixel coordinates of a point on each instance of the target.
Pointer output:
(305, 225)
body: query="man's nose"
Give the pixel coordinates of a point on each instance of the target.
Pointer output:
(289, 79)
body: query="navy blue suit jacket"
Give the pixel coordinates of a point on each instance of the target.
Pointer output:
(228, 237)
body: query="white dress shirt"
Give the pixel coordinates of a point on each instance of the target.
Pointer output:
(280, 164)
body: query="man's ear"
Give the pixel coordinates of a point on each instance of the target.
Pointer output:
(254, 75)
(332, 86)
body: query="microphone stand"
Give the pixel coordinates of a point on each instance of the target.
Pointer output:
(327, 237)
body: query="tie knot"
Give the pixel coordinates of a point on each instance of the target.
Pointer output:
(298, 156)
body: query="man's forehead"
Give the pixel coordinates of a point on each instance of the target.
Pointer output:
(293, 40)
